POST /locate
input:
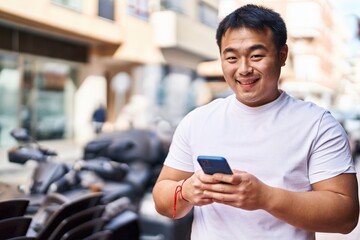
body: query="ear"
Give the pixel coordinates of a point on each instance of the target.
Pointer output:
(283, 54)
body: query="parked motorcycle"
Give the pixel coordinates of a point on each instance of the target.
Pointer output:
(121, 164)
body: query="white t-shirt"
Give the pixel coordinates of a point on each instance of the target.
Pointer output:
(287, 143)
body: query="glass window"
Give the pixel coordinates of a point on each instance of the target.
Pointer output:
(37, 94)
(52, 106)
(173, 93)
(174, 5)
(72, 4)
(208, 15)
(138, 8)
(9, 95)
(106, 9)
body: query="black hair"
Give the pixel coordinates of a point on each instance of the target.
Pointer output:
(255, 17)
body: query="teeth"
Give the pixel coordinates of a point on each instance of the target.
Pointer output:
(246, 83)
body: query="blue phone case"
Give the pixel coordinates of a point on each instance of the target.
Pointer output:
(214, 164)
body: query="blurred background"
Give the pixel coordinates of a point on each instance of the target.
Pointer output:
(71, 69)
(149, 62)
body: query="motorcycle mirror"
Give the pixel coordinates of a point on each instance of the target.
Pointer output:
(21, 134)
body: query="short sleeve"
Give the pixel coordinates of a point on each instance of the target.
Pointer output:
(179, 156)
(331, 155)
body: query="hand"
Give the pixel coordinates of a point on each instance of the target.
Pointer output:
(193, 189)
(241, 190)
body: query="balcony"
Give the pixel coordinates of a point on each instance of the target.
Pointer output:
(304, 19)
(173, 30)
(57, 20)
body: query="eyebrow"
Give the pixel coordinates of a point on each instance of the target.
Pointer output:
(251, 48)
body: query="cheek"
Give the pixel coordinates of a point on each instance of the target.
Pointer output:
(271, 72)
(268, 69)
(228, 70)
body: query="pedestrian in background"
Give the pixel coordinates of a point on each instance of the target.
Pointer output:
(293, 174)
(99, 118)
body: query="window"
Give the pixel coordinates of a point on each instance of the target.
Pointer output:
(138, 8)
(37, 94)
(106, 9)
(208, 15)
(51, 109)
(174, 5)
(72, 4)
(9, 94)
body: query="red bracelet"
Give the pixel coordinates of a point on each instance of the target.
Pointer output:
(178, 189)
(182, 197)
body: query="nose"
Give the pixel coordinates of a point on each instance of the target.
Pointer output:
(244, 67)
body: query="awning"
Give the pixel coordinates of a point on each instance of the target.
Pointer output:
(210, 69)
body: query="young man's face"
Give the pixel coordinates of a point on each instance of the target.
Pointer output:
(251, 65)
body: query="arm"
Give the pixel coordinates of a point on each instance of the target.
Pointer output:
(332, 206)
(164, 189)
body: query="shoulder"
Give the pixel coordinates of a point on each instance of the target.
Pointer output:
(201, 115)
(306, 112)
(212, 106)
(305, 108)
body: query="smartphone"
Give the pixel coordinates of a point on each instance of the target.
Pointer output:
(214, 164)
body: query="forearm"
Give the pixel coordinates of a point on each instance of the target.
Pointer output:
(163, 194)
(315, 211)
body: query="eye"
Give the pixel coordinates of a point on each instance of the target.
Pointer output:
(256, 57)
(231, 59)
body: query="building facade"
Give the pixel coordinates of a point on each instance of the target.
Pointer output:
(60, 59)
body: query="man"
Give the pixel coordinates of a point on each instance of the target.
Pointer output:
(293, 173)
(99, 118)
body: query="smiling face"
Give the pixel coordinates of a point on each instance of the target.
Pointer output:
(251, 65)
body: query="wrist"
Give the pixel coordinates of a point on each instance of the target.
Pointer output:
(182, 190)
(178, 191)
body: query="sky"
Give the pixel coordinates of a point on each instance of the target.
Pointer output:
(350, 11)
(350, 6)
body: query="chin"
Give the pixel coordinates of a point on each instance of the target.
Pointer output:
(247, 100)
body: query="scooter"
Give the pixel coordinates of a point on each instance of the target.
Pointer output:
(119, 164)
(122, 163)
(51, 177)
(147, 151)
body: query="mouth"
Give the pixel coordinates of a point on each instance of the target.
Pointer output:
(247, 82)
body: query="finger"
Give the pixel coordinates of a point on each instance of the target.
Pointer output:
(205, 178)
(220, 188)
(225, 178)
(233, 179)
(200, 199)
(219, 197)
(238, 171)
